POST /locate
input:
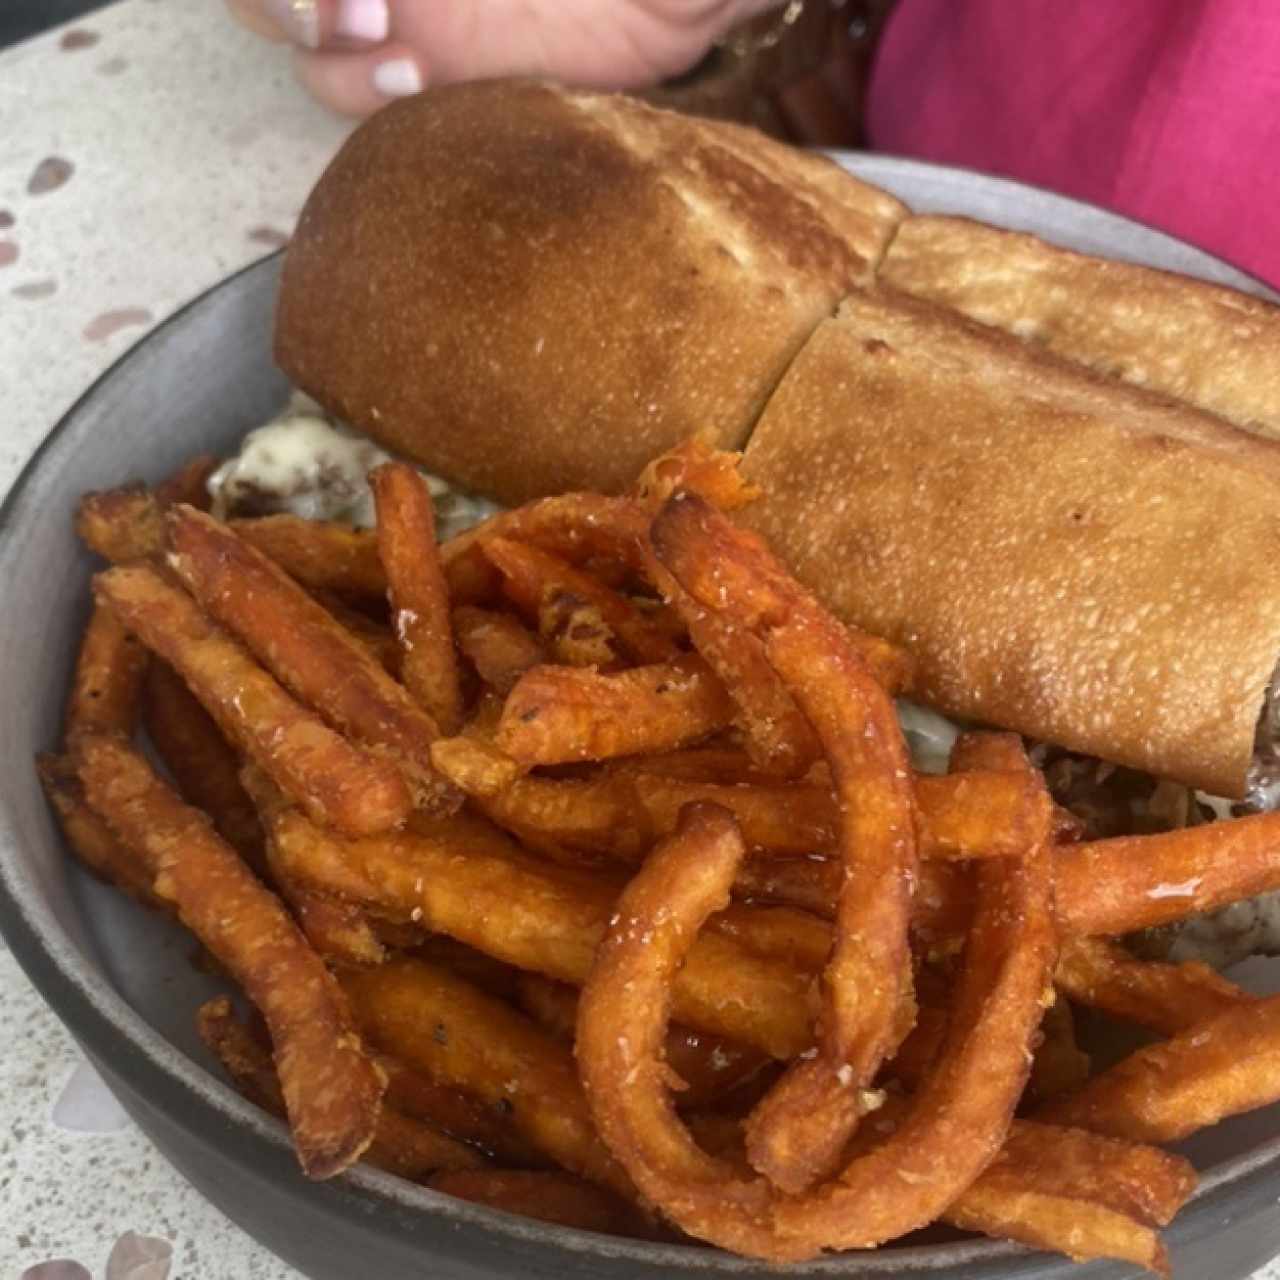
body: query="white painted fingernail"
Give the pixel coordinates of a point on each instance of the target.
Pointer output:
(397, 77)
(363, 19)
(300, 20)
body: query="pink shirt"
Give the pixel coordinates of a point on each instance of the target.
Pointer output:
(1165, 110)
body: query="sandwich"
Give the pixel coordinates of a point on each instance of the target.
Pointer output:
(530, 290)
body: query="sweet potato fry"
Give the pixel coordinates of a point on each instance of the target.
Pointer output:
(621, 811)
(462, 877)
(128, 523)
(782, 933)
(332, 1091)
(493, 976)
(338, 783)
(955, 1126)
(693, 542)
(338, 931)
(707, 1067)
(559, 715)
(1219, 1067)
(700, 468)
(121, 524)
(474, 765)
(548, 1197)
(419, 598)
(107, 682)
(202, 763)
(458, 1114)
(533, 578)
(576, 633)
(1133, 882)
(500, 647)
(582, 528)
(797, 1133)
(1167, 998)
(377, 640)
(1085, 1196)
(401, 1145)
(322, 555)
(89, 838)
(442, 1026)
(305, 649)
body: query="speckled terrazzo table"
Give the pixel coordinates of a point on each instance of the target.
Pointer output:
(145, 153)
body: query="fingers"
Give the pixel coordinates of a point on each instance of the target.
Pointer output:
(316, 24)
(357, 84)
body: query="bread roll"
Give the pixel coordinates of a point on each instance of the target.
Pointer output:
(530, 290)
(1067, 556)
(1214, 347)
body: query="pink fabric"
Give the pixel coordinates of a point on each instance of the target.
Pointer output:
(1165, 110)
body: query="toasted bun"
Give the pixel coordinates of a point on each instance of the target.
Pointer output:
(1064, 555)
(1214, 347)
(530, 290)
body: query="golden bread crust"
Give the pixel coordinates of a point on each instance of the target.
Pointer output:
(476, 271)
(1214, 347)
(1064, 555)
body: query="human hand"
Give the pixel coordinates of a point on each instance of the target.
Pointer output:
(353, 55)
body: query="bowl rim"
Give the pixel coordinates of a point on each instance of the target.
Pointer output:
(111, 1031)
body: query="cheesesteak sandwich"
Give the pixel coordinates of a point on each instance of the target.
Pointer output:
(530, 290)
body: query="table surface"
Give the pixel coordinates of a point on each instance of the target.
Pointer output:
(145, 153)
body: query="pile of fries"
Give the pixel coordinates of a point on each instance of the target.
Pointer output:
(578, 867)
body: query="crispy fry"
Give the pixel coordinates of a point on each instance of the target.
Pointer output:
(707, 1067)
(332, 1092)
(784, 933)
(474, 765)
(576, 632)
(1224, 1065)
(121, 524)
(1164, 997)
(559, 715)
(400, 1145)
(698, 467)
(957, 1122)
(1133, 882)
(500, 648)
(621, 811)
(338, 783)
(339, 931)
(494, 977)
(419, 598)
(1088, 1197)
(322, 555)
(797, 1133)
(89, 838)
(201, 761)
(442, 1026)
(533, 578)
(458, 1114)
(548, 1197)
(128, 523)
(581, 528)
(693, 542)
(464, 878)
(305, 649)
(377, 640)
(107, 681)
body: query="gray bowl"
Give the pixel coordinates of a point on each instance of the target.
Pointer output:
(122, 981)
